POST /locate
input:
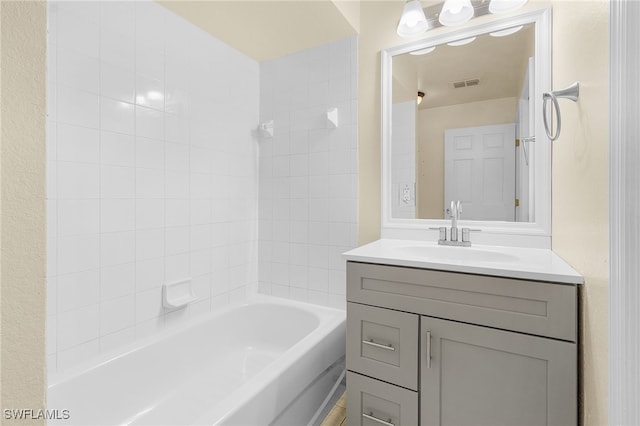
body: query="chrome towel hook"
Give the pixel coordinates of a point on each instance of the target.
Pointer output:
(572, 92)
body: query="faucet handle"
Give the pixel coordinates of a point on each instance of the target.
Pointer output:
(443, 232)
(466, 234)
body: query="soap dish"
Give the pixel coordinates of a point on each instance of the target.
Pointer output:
(178, 294)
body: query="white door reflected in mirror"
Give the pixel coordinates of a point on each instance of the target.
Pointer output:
(479, 170)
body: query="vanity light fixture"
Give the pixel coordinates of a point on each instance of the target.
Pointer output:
(420, 98)
(456, 12)
(506, 32)
(462, 42)
(504, 6)
(412, 22)
(423, 51)
(415, 20)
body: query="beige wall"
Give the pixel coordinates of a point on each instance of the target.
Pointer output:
(351, 12)
(430, 126)
(22, 197)
(580, 180)
(580, 194)
(405, 81)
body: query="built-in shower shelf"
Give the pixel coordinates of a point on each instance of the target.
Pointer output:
(178, 294)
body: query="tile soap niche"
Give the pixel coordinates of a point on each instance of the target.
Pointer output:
(178, 295)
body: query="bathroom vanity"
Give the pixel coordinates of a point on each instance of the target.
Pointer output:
(486, 334)
(460, 336)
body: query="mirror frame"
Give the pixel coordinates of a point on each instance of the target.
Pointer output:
(535, 234)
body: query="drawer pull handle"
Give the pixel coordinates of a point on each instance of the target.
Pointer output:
(370, 416)
(428, 349)
(378, 345)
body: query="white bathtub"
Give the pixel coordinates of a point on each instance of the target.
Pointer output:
(266, 361)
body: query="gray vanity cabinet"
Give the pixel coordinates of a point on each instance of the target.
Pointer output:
(463, 349)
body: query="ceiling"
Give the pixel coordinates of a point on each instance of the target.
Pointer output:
(499, 63)
(266, 29)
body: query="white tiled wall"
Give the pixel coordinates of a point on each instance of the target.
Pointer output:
(308, 173)
(152, 173)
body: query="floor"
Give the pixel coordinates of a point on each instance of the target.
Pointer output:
(338, 414)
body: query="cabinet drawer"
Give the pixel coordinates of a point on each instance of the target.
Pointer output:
(374, 403)
(383, 343)
(533, 307)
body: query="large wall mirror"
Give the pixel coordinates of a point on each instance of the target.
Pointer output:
(475, 136)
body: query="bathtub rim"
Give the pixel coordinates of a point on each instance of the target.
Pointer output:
(325, 314)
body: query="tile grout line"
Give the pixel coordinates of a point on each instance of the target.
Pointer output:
(57, 296)
(135, 181)
(100, 183)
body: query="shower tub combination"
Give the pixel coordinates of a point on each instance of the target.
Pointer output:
(262, 362)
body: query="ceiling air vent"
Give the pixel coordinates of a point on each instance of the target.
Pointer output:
(465, 83)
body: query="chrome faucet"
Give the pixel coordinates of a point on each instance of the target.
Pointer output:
(454, 211)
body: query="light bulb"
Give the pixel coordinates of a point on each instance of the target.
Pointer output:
(462, 42)
(456, 7)
(412, 22)
(506, 32)
(455, 12)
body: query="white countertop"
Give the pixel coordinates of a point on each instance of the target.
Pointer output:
(512, 262)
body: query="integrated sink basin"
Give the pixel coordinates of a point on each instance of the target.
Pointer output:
(455, 254)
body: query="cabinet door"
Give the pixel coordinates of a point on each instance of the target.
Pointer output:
(484, 376)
